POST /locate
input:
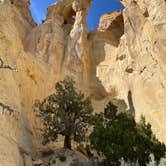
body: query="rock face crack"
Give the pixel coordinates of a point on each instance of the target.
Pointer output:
(130, 101)
(143, 70)
(7, 108)
(3, 66)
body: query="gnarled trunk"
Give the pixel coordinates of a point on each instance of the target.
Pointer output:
(67, 142)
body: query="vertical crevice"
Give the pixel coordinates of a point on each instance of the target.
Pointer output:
(130, 102)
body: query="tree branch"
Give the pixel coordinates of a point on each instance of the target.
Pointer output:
(3, 66)
(7, 108)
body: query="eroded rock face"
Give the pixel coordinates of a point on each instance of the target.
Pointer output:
(77, 58)
(31, 62)
(13, 133)
(23, 79)
(123, 60)
(61, 41)
(138, 70)
(23, 7)
(111, 20)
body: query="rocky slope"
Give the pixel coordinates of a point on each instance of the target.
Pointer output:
(123, 60)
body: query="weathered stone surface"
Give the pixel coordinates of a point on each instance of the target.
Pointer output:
(23, 79)
(77, 58)
(31, 59)
(13, 134)
(23, 7)
(139, 67)
(103, 43)
(111, 20)
(124, 61)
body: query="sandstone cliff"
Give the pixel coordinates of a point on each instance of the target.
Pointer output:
(123, 59)
(135, 70)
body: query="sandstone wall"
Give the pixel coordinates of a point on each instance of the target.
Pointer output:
(138, 70)
(23, 79)
(122, 61)
(32, 59)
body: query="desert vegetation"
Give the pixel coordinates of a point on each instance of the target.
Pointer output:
(115, 137)
(67, 112)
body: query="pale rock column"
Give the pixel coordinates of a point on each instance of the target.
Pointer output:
(77, 58)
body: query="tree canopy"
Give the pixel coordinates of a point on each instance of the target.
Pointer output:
(66, 112)
(117, 135)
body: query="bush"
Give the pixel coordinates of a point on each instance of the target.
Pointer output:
(62, 157)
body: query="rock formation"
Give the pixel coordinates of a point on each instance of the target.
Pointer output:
(77, 58)
(124, 59)
(137, 66)
(111, 20)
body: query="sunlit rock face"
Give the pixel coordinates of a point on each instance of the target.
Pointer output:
(123, 60)
(61, 41)
(32, 59)
(23, 7)
(136, 68)
(14, 134)
(111, 20)
(77, 57)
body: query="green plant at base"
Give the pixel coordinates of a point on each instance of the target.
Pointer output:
(62, 157)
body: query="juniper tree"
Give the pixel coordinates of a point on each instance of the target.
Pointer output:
(117, 135)
(66, 112)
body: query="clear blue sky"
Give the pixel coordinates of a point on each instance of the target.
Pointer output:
(98, 7)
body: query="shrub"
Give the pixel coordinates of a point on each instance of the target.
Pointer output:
(62, 157)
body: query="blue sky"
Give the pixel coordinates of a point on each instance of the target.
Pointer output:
(98, 8)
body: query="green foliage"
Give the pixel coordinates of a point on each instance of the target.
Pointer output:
(116, 135)
(66, 112)
(62, 157)
(147, 143)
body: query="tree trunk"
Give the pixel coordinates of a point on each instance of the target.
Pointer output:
(67, 142)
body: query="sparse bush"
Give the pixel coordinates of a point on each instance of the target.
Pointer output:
(62, 157)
